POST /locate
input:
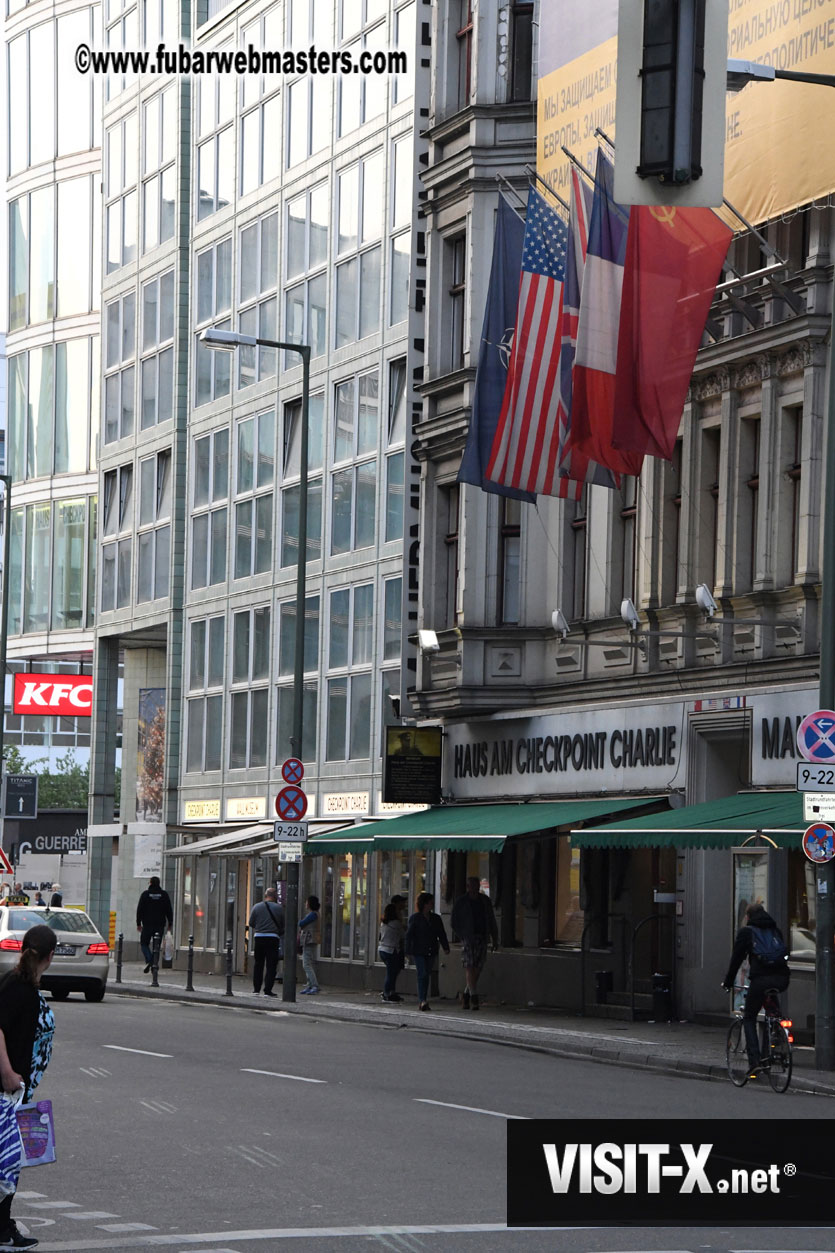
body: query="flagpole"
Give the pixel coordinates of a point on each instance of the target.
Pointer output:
(500, 178)
(579, 164)
(532, 174)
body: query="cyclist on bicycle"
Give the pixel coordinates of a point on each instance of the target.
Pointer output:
(761, 941)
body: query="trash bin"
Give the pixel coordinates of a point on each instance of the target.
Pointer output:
(662, 997)
(603, 982)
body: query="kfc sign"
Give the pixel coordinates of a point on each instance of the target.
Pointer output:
(70, 696)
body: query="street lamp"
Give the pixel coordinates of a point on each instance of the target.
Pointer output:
(228, 341)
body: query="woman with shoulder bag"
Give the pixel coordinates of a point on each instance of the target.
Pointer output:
(308, 939)
(26, 1029)
(392, 933)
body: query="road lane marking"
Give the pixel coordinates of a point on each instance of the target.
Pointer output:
(120, 1048)
(119, 1229)
(159, 1240)
(53, 1205)
(275, 1074)
(471, 1109)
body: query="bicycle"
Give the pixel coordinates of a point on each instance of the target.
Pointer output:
(775, 1046)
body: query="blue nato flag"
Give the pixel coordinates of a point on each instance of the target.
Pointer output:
(494, 353)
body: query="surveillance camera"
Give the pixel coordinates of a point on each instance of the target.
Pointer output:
(629, 614)
(705, 601)
(560, 623)
(428, 642)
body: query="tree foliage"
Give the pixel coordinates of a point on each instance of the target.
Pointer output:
(67, 787)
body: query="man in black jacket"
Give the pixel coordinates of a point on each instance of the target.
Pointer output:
(474, 922)
(762, 974)
(153, 916)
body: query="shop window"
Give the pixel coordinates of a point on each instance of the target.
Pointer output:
(802, 911)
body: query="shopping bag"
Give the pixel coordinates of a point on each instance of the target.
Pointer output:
(37, 1133)
(10, 1146)
(167, 951)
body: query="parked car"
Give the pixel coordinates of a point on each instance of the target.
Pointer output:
(82, 955)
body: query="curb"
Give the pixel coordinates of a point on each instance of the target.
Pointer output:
(684, 1067)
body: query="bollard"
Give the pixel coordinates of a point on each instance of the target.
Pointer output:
(189, 980)
(119, 957)
(155, 960)
(229, 991)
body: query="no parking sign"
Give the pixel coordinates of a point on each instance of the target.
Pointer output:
(816, 736)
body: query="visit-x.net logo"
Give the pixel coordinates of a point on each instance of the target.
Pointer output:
(660, 1172)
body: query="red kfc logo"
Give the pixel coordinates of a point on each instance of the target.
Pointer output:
(70, 696)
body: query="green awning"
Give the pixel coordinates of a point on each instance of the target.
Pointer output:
(483, 828)
(725, 823)
(350, 840)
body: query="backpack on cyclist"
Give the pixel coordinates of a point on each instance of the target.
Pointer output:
(768, 945)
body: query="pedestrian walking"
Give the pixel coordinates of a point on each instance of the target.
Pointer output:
(154, 916)
(26, 1029)
(308, 939)
(474, 922)
(39, 900)
(392, 935)
(56, 900)
(425, 934)
(266, 922)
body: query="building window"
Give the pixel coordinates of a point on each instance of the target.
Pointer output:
(121, 35)
(450, 503)
(350, 645)
(157, 366)
(464, 36)
(628, 538)
(153, 541)
(309, 98)
(360, 226)
(291, 471)
(209, 509)
(216, 149)
(305, 303)
(48, 567)
(204, 735)
(255, 476)
(214, 301)
(117, 524)
(31, 87)
(260, 159)
(708, 508)
(396, 460)
(671, 526)
(795, 469)
(121, 222)
(521, 51)
(510, 530)
(748, 505)
(76, 265)
(161, 22)
(402, 180)
(248, 705)
(79, 118)
(361, 97)
(456, 265)
(392, 618)
(403, 85)
(577, 519)
(32, 258)
(257, 291)
(286, 668)
(52, 391)
(119, 376)
(354, 488)
(159, 148)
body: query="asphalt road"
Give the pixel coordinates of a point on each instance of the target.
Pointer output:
(230, 1130)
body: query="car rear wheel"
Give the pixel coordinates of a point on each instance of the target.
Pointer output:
(94, 994)
(59, 994)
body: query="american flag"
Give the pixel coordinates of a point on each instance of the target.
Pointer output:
(526, 446)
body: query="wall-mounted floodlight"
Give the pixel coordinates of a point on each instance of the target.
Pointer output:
(560, 623)
(741, 73)
(705, 601)
(629, 614)
(428, 642)
(230, 340)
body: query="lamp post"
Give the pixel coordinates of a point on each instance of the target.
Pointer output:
(229, 341)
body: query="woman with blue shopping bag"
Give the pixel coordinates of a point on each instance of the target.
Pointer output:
(26, 1030)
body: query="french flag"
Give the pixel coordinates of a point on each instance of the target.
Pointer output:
(598, 327)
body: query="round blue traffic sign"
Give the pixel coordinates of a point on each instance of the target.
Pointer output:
(292, 771)
(291, 804)
(816, 736)
(819, 842)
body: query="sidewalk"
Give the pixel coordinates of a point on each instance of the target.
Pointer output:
(679, 1048)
